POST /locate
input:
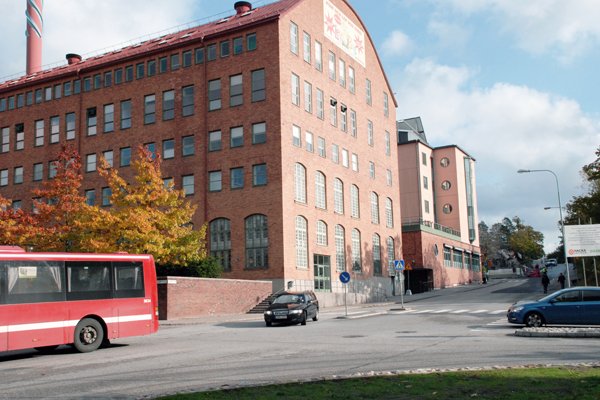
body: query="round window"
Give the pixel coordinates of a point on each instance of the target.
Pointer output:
(435, 249)
(446, 185)
(447, 208)
(444, 162)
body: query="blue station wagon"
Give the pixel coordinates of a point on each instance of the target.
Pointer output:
(573, 306)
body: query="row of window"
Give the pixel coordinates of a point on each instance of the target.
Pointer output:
(144, 69)
(461, 259)
(338, 196)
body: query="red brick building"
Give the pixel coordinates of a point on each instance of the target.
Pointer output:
(276, 121)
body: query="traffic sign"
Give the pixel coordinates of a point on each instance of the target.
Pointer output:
(345, 277)
(399, 265)
(408, 268)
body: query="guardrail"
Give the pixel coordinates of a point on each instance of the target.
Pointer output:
(433, 225)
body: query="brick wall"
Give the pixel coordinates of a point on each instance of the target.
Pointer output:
(180, 297)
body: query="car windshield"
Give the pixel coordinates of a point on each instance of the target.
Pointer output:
(289, 298)
(546, 298)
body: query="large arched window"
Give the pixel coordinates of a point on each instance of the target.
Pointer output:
(389, 216)
(257, 241)
(301, 243)
(321, 233)
(320, 199)
(338, 196)
(356, 259)
(355, 209)
(300, 183)
(220, 241)
(376, 255)
(374, 208)
(340, 248)
(391, 256)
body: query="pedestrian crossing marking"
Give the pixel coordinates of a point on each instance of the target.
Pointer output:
(497, 312)
(477, 312)
(440, 311)
(449, 311)
(458, 311)
(422, 312)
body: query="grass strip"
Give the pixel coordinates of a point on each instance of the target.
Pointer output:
(559, 383)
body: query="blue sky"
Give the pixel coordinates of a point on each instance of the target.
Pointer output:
(514, 83)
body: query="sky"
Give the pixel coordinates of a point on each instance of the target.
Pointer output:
(514, 83)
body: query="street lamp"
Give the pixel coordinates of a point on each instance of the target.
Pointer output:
(562, 223)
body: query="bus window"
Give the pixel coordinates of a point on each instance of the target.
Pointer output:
(129, 279)
(34, 281)
(88, 280)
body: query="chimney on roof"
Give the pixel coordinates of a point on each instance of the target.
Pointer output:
(35, 25)
(242, 7)
(73, 58)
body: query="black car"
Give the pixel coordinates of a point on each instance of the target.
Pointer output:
(293, 307)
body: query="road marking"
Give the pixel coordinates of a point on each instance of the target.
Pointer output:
(440, 311)
(459, 311)
(423, 312)
(497, 312)
(404, 312)
(477, 312)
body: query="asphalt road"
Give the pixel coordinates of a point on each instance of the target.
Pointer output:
(456, 327)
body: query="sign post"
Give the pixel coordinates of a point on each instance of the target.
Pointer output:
(399, 266)
(345, 278)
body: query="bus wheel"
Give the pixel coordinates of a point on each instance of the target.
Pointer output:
(89, 335)
(46, 349)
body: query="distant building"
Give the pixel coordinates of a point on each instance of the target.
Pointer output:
(439, 210)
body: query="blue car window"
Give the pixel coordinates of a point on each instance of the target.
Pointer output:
(568, 297)
(591, 295)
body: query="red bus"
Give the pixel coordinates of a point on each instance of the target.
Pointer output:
(49, 299)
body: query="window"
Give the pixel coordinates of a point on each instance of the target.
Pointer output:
(129, 73)
(54, 129)
(107, 80)
(425, 183)
(126, 114)
(118, 77)
(320, 199)
(307, 97)
(342, 73)
(187, 94)
(257, 242)
(259, 175)
(199, 55)
(374, 208)
(389, 216)
(91, 121)
(447, 208)
(20, 100)
(236, 177)
(39, 133)
(109, 117)
(295, 90)
(11, 102)
(340, 249)
(376, 255)
(318, 56)
(351, 78)
(187, 58)
(125, 155)
(444, 162)
(214, 181)
(214, 95)
(354, 204)
(87, 86)
(90, 197)
(354, 162)
(109, 157)
(299, 183)
(368, 92)
(151, 67)
(3, 177)
(38, 94)
(238, 45)
(307, 47)
(211, 51)
(70, 126)
(424, 158)
(38, 172)
(356, 258)
(19, 137)
(220, 241)
(353, 123)
(426, 206)
(163, 64)
(333, 108)
(321, 233)
(5, 140)
(309, 142)
(149, 109)
(296, 133)
(320, 111)
(236, 136)
(458, 259)
(106, 193)
(301, 243)
(174, 61)
(345, 158)
(335, 156)
(68, 88)
(446, 185)
(58, 88)
(168, 149)
(168, 105)
(322, 147)
(3, 104)
(187, 184)
(28, 98)
(225, 49)
(214, 141)
(338, 196)
(169, 184)
(187, 145)
(370, 132)
(294, 38)
(332, 66)
(18, 175)
(391, 252)
(344, 118)
(372, 169)
(258, 85)
(235, 90)
(90, 163)
(97, 81)
(385, 104)
(16, 205)
(251, 42)
(259, 133)
(389, 177)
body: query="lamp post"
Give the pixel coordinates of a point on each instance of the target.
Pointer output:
(562, 222)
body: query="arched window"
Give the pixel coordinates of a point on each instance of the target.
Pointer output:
(220, 241)
(320, 200)
(391, 256)
(376, 255)
(301, 243)
(340, 248)
(257, 242)
(338, 196)
(374, 208)
(389, 216)
(300, 183)
(355, 209)
(321, 233)
(356, 260)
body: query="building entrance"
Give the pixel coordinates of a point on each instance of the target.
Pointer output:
(322, 273)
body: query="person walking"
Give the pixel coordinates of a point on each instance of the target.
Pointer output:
(561, 280)
(545, 282)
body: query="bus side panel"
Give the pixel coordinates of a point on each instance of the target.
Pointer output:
(135, 321)
(3, 328)
(80, 309)
(152, 291)
(36, 325)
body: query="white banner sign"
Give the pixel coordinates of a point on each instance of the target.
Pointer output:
(582, 240)
(343, 32)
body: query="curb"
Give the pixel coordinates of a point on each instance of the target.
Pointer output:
(559, 334)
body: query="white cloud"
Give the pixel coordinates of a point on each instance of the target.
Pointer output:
(449, 34)
(505, 128)
(397, 44)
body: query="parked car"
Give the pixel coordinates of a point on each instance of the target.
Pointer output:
(534, 273)
(293, 307)
(551, 262)
(573, 306)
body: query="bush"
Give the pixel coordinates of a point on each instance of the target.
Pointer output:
(208, 267)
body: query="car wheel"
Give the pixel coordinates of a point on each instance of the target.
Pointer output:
(303, 322)
(269, 323)
(316, 317)
(534, 320)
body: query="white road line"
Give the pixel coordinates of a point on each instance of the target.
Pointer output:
(497, 312)
(404, 312)
(477, 312)
(440, 311)
(459, 311)
(423, 312)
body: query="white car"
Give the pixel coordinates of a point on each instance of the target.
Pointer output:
(551, 262)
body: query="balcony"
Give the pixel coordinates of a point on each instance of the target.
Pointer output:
(421, 224)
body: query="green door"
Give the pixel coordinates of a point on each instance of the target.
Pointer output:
(322, 273)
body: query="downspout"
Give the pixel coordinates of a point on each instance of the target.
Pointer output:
(80, 113)
(205, 88)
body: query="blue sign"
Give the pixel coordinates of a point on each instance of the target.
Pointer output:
(345, 277)
(399, 265)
